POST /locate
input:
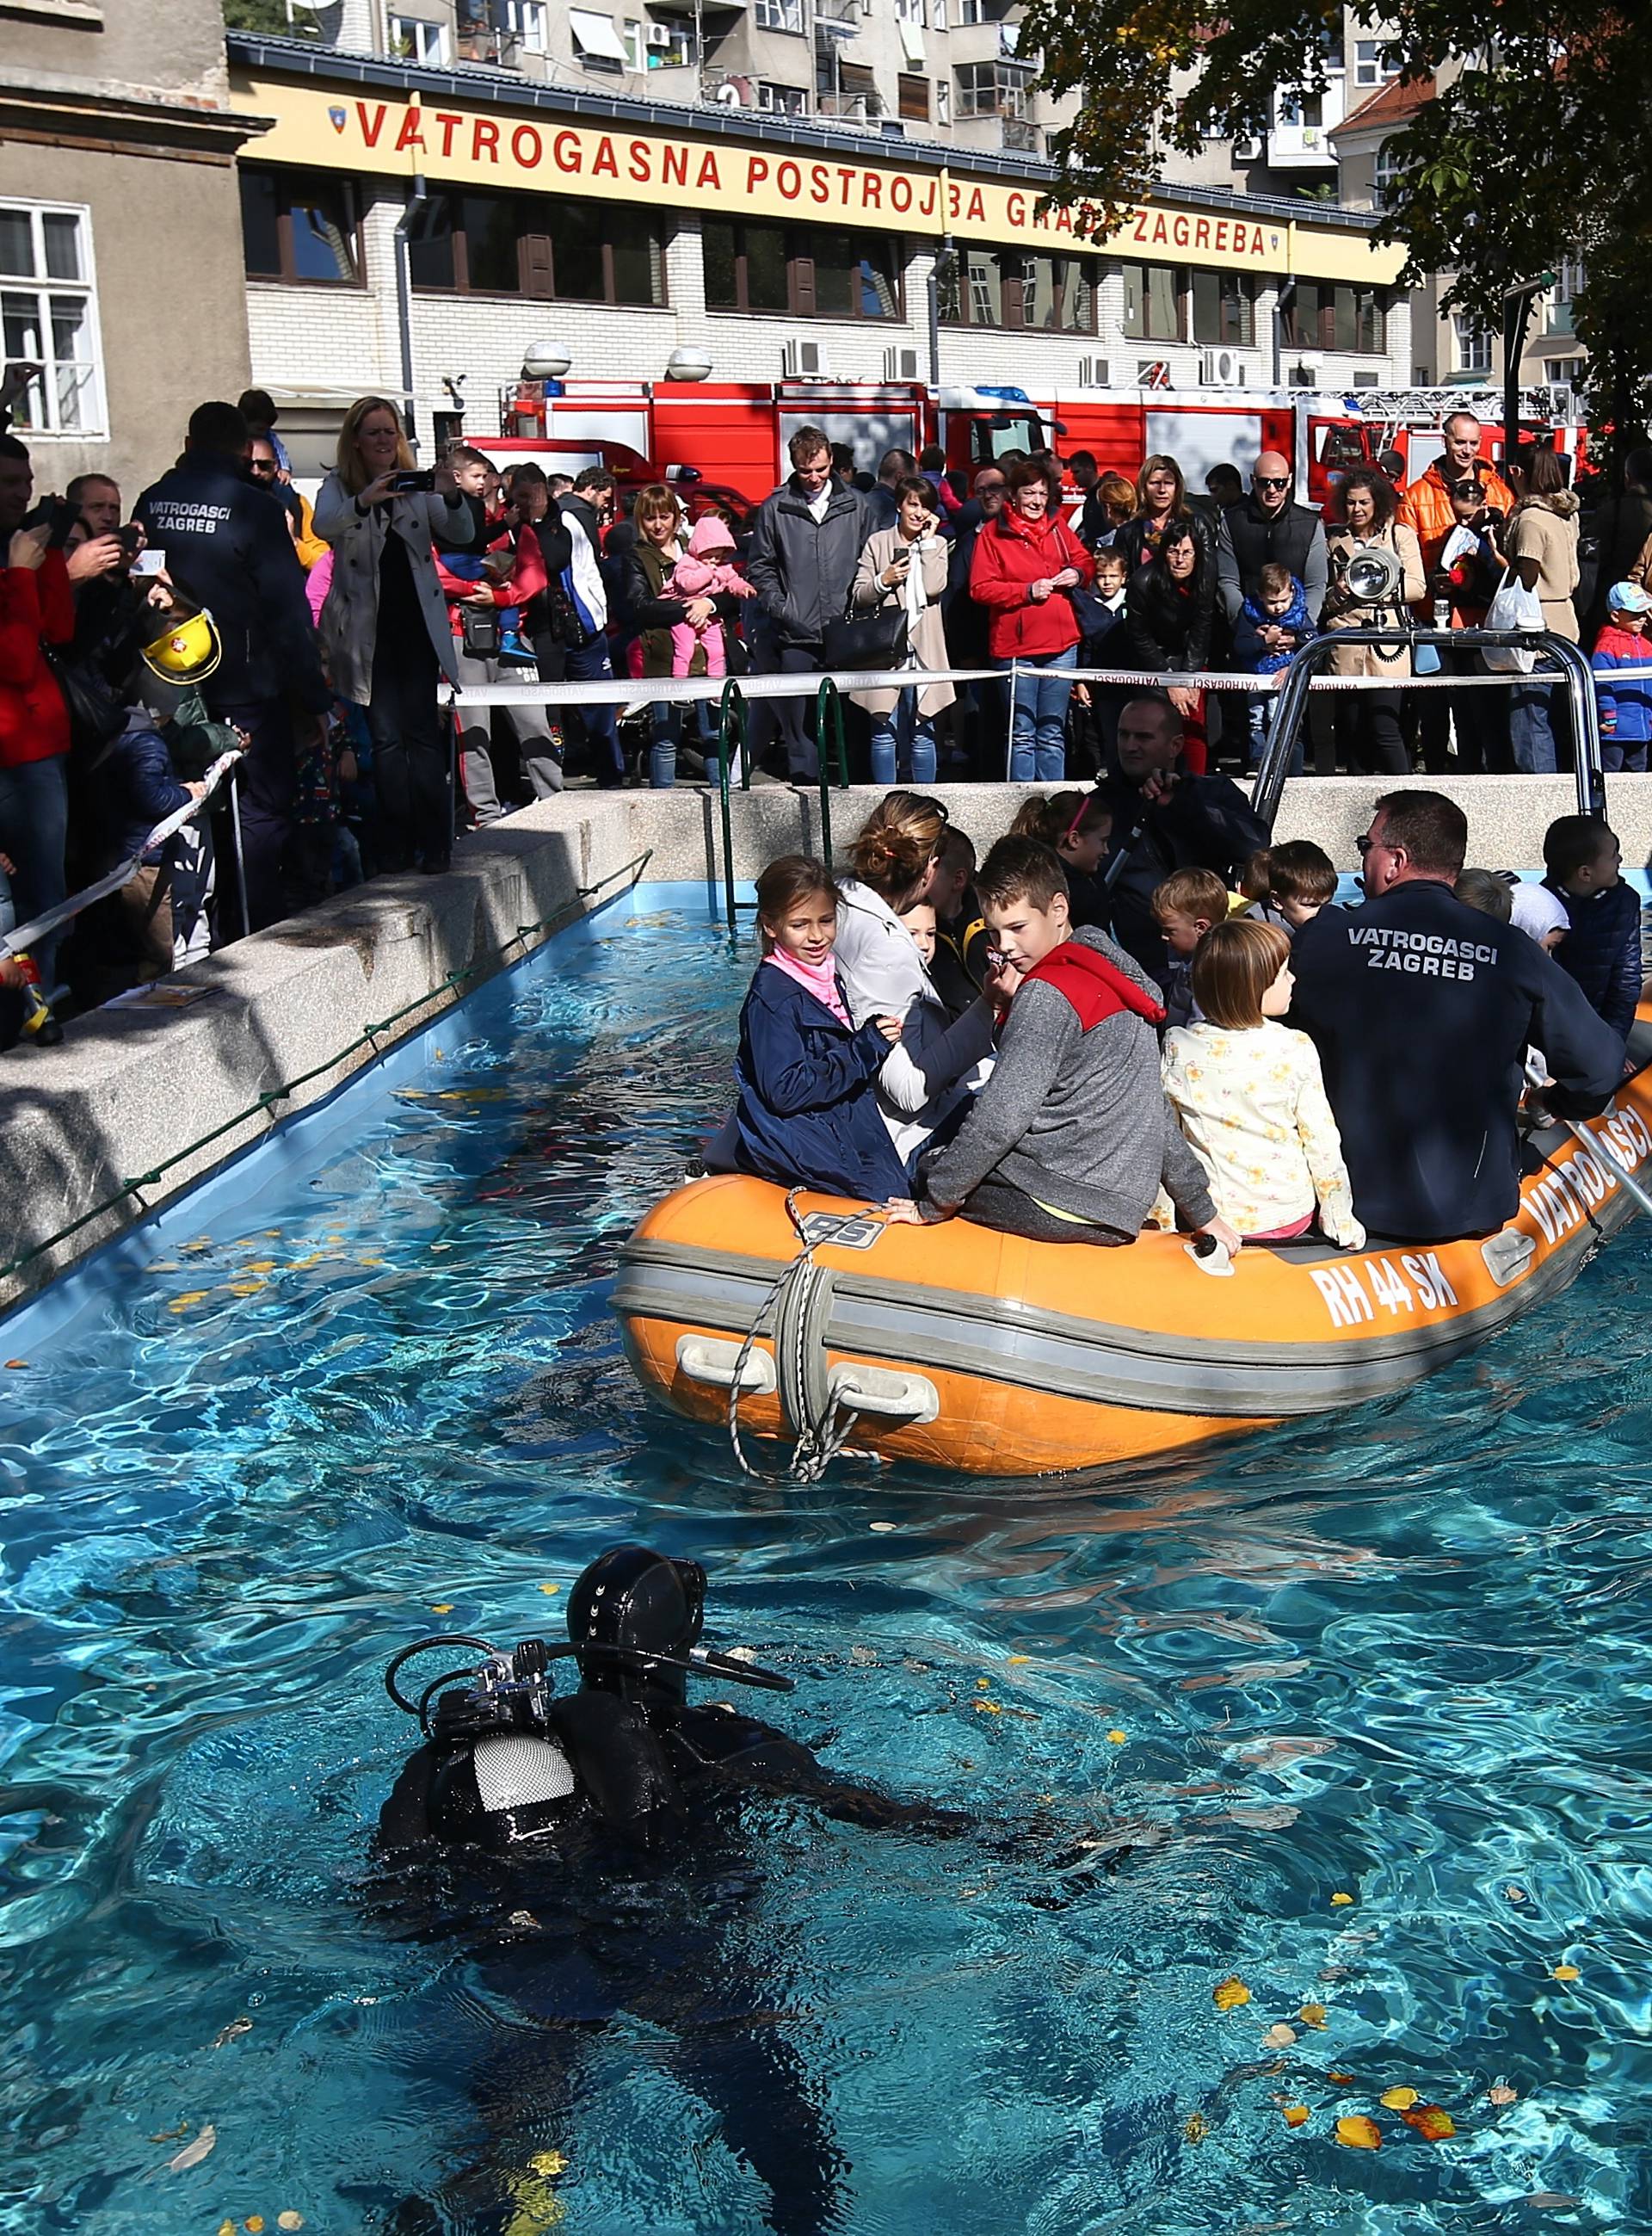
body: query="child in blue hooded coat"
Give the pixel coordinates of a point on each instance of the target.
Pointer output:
(808, 1113)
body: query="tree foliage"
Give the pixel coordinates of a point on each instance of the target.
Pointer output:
(1536, 146)
(266, 15)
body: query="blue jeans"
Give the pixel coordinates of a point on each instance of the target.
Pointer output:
(587, 662)
(903, 744)
(1039, 719)
(665, 719)
(1531, 737)
(34, 826)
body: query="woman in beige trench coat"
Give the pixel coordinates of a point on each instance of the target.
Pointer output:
(1368, 736)
(906, 566)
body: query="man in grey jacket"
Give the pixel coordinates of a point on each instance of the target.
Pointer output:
(1071, 1138)
(806, 545)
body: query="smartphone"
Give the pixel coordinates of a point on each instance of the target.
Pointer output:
(411, 483)
(130, 538)
(149, 565)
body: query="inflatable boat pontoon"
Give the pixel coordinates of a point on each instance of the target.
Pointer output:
(958, 1347)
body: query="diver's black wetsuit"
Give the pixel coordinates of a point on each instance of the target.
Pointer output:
(634, 1893)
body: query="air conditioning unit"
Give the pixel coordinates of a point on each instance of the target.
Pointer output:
(1221, 368)
(659, 36)
(901, 363)
(1248, 151)
(1092, 372)
(800, 360)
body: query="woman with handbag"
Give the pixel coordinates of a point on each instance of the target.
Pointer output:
(1540, 546)
(901, 575)
(1167, 620)
(385, 635)
(1368, 736)
(1027, 560)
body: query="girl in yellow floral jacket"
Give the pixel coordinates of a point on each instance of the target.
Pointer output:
(1250, 1094)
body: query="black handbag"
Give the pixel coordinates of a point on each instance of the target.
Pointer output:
(862, 641)
(96, 717)
(479, 631)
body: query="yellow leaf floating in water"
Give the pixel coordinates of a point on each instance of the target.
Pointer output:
(190, 1297)
(1567, 1972)
(1296, 2116)
(1312, 2014)
(1359, 2132)
(987, 1707)
(1227, 1995)
(17, 1365)
(246, 1288)
(1400, 2100)
(547, 2162)
(1500, 2093)
(289, 2220)
(1340, 1901)
(983, 1683)
(253, 2224)
(442, 1606)
(1432, 2122)
(1117, 1738)
(1280, 2037)
(1196, 2127)
(1016, 1660)
(550, 1591)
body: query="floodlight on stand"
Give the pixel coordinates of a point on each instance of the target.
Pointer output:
(545, 360)
(688, 363)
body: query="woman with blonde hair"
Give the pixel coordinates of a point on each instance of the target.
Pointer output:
(386, 634)
(1161, 505)
(1540, 544)
(931, 1070)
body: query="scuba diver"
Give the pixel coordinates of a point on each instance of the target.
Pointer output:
(590, 1850)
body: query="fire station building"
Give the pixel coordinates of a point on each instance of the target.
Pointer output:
(413, 229)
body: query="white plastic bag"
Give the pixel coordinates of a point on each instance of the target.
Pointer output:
(1513, 608)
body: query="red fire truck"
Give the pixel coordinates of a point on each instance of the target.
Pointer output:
(726, 441)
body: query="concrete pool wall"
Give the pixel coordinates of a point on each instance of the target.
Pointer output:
(132, 1088)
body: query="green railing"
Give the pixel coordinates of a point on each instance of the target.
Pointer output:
(829, 722)
(730, 734)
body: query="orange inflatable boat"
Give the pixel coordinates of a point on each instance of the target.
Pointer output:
(958, 1347)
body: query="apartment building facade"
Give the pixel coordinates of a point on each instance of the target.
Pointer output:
(448, 216)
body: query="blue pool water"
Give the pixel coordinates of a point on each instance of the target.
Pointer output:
(369, 1373)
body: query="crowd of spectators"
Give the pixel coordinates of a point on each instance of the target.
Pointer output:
(222, 612)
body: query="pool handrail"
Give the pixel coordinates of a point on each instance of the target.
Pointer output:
(1292, 702)
(828, 718)
(731, 727)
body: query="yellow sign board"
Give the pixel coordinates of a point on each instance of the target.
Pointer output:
(537, 151)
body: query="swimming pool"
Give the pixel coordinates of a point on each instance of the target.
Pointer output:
(364, 1385)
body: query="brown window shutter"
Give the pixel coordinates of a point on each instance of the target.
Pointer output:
(534, 261)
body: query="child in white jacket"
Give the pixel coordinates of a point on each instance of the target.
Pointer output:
(1249, 1093)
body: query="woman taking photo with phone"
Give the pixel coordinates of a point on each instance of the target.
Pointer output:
(905, 567)
(385, 635)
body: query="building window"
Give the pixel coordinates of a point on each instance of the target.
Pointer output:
(1471, 345)
(845, 88)
(782, 100)
(943, 100)
(1558, 318)
(599, 47)
(991, 89)
(780, 16)
(526, 23)
(1009, 288)
(418, 39)
(1224, 308)
(1320, 316)
(553, 251)
(1306, 110)
(1385, 175)
(299, 225)
(803, 270)
(1153, 303)
(938, 13)
(983, 12)
(48, 318)
(1371, 63)
(912, 97)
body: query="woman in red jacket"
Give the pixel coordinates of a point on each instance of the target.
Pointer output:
(1026, 562)
(37, 608)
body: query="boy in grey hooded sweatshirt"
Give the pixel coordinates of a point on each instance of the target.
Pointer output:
(1071, 1137)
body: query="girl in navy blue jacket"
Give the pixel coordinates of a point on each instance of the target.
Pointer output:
(808, 1115)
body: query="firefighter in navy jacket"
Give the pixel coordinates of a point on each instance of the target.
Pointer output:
(1422, 1010)
(228, 548)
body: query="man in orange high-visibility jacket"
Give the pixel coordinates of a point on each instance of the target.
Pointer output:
(1426, 507)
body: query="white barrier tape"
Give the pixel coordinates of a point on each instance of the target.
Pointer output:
(25, 935)
(682, 690)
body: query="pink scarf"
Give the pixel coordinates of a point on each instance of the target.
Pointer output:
(819, 979)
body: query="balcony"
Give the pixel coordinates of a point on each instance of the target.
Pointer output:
(1021, 138)
(1300, 137)
(839, 19)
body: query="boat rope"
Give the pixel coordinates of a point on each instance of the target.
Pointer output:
(818, 1442)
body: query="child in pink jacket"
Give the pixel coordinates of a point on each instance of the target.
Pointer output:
(704, 571)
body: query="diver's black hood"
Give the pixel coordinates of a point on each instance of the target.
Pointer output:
(642, 1602)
